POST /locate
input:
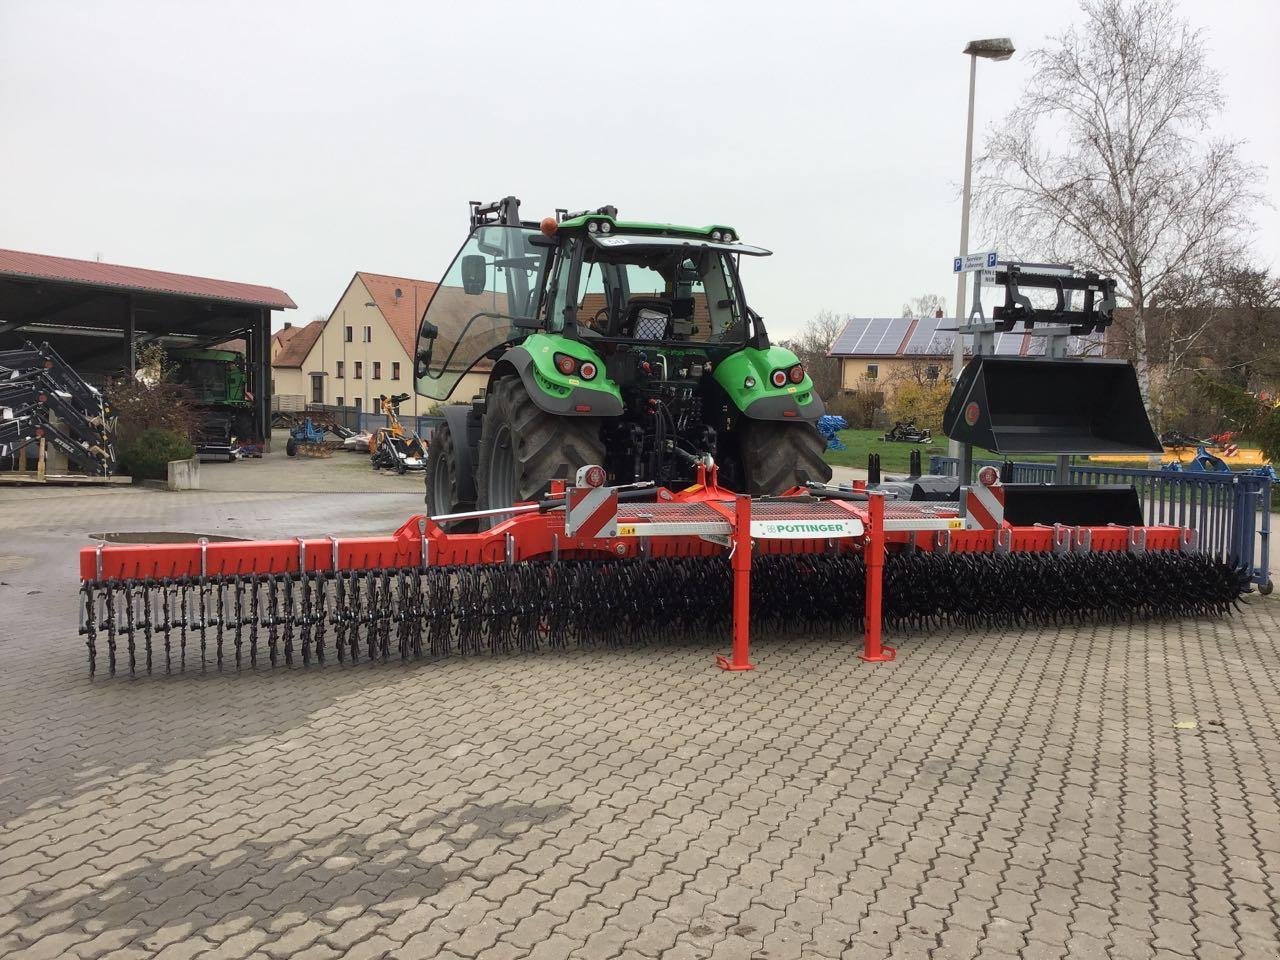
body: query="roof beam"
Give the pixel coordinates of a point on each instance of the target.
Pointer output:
(46, 312)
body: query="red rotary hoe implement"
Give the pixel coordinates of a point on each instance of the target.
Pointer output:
(594, 565)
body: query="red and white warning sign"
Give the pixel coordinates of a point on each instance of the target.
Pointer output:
(984, 505)
(591, 512)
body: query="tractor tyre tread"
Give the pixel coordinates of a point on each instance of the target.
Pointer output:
(777, 456)
(550, 447)
(441, 456)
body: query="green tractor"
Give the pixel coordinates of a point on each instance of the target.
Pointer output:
(611, 342)
(218, 380)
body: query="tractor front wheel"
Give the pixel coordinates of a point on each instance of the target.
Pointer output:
(523, 448)
(777, 455)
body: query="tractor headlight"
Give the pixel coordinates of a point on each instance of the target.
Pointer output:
(729, 237)
(749, 383)
(717, 236)
(605, 226)
(592, 227)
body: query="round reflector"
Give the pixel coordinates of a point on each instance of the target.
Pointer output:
(988, 476)
(587, 371)
(778, 378)
(592, 475)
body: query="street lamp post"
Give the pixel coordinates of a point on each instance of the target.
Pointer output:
(997, 48)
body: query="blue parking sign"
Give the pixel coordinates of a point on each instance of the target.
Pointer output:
(991, 260)
(957, 265)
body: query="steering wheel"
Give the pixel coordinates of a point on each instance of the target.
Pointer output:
(595, 320)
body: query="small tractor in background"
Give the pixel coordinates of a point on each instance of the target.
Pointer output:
(620, 343)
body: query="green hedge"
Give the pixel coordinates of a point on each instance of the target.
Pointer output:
(147, 458)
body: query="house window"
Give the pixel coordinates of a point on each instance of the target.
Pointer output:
(873, 370)
(395, 369)
(931, 372)
(377, 370)
(359, 369)
(340, 376)
(348, 334)
(340, 400)
(358, 405)
(368, 334)
(317, 388)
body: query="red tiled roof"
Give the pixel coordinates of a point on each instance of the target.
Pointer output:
(295, 347)
(37, 266)
(404, 311)
(285, 334)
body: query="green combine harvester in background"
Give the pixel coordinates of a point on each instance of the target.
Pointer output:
(612, 342)
(219, 382)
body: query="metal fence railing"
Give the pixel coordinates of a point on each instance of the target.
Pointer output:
(1231, 513)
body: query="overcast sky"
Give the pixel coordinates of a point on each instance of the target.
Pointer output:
(292, 144)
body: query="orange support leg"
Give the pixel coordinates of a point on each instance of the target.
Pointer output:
(741, 566)
(873, 650)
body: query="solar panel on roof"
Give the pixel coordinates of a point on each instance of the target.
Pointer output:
(876, 328)
(892, 337)
(1008, 344)
(927, 338)
(849, 336)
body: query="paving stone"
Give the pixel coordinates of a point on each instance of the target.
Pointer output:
(1003, 792)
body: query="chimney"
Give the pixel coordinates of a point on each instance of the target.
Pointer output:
(287, 324)
(937, 314)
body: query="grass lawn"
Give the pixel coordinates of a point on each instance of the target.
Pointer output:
(896, 457)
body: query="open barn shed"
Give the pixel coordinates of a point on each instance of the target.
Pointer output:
(97, 315)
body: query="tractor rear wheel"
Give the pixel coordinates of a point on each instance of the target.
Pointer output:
(777, 456)
(441, 474)
(523, 448)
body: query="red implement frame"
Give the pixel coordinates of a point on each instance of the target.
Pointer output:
(873, 651)
(704, 520)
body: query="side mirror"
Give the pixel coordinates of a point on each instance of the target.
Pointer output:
(475, 271)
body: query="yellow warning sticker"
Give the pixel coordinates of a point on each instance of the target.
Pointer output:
(626, 530)
(955, 524)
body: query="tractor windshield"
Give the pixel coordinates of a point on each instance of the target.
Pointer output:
(660, 288)
(493, 282)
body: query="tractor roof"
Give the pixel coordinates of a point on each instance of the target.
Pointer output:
(639, 226)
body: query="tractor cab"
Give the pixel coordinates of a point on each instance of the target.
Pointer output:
(586, 279)
(629, 344)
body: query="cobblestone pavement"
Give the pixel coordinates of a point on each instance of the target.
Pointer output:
(1104, 791)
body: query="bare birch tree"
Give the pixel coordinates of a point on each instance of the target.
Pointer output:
(924, 306)
(1107, 162)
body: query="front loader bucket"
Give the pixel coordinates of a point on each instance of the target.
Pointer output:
(1016, 405)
